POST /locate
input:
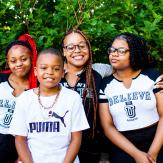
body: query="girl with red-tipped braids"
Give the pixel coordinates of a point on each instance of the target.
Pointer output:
(21, 58)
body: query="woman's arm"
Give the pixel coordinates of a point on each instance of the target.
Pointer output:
(74, 147)
(158, 139)
(22, 149)
(117, 138)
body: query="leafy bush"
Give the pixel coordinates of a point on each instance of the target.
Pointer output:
(48, 20)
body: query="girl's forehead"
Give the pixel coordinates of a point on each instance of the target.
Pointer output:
(73, 38)
(120, 42)
(18, 49)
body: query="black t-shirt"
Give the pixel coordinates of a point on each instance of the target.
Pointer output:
(89, 143)
(4, 77)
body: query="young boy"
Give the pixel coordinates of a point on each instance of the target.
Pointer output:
(48, 120)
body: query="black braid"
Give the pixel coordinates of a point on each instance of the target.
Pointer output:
(90, 81)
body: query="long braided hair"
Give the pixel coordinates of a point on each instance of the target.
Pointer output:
(90, 87)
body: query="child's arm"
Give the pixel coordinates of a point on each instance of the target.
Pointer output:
(74, 147)
(22, 149)
(158, 139)
(117, 138)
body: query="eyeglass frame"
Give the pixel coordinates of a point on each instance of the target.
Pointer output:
(117, 50)
(76, 45)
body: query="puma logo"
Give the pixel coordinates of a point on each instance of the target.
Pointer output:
(53, 114)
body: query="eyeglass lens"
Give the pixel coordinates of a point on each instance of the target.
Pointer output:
(81, 46)
(120, 51)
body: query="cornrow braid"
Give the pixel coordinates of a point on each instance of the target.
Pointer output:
(90, 86)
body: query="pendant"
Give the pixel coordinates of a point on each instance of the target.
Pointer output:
(45, 112)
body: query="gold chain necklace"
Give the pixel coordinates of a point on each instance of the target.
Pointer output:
(55, 100)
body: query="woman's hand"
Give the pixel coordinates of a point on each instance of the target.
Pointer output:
(151, 158)
(160, 84)
(142, 157)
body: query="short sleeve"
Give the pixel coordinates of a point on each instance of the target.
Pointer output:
(18, 124)
(79, 120)
(102, 97)
(103, 69)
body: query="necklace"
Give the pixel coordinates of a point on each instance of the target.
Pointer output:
(54, 102)
(72, 80)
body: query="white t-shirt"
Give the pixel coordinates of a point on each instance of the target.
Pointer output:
(48, 132)
(7, 106)
(135, 107)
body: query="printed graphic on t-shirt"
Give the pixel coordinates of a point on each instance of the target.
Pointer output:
(130, 110)
(48, 126)
(78, 88)
(7, 112)
(127, 101)
(137, 95)
(53, 114)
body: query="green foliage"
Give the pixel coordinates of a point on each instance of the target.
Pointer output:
(48, 20)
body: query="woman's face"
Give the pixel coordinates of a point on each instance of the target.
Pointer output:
(19, 60)
(119, 54)
(76, 50)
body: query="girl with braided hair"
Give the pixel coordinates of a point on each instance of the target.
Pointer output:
(80, 77)
(130, 105)
(21, 58)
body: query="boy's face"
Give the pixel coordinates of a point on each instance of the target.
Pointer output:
(49, 70)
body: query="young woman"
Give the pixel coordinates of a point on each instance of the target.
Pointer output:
(131, 108)
(80, 77)
(20, 55)
(48, 120)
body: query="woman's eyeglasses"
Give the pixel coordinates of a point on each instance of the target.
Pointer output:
(120, 51)
(71, 47)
